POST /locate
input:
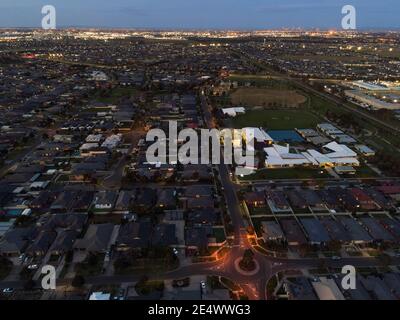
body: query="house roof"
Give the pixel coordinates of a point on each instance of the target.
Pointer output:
(164, 235)
(16, 240)
(293, 231)
(166, 197)
(135, 234)
(73, 221)
(64, 241)
(376, 230)
(254, 197)
(296, 199)
(198, 236)
(335, 230)
(328, 198)
(203, 202)
(377, 287)
(146, 197)
(271, 229)
(124, 200)
(315, 230)
(42, 242)
(106, 197)
(356, 231)
(311, 197)
(360, 195)
(202, 216)
(299, 288)
(389, 189)
(327, 289)
(278, 198)
(392, 226)
(198, 191)
(96, 238)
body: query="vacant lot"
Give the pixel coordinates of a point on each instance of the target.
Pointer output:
(265, 82)
(115, 94)
(267, 97)
(277, 119)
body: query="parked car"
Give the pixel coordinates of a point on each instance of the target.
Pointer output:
(121, 294)
(8, 290)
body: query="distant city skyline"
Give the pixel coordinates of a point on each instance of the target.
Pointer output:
(207, 14)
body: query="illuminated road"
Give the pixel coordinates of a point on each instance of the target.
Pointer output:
(254, 284)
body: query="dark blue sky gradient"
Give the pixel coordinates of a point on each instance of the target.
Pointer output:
(205, 14)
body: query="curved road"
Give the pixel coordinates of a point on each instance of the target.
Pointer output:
(254, 285)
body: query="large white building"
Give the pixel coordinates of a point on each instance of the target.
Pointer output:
(233, 112)
(256, 134)
(280, 156)
(372, 101)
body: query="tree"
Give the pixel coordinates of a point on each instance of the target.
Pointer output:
(29, 285)
(5, 266)
(69, 256)
(142, 281)
(247, 262)
(92, 259)
(248, 255)
(250, 230)
(78, 281)
(334, 245)
(122, 263)
(385, 259)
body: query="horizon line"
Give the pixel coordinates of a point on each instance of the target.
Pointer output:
(151, 29)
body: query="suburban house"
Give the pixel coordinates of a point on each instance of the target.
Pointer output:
(164, 235)
(14, 241)
(197, 239)
(166, 199)
(134, 236)
(255, 199)
(293, 232)
(271, 231)
(96, 239)
(124, 201)
(41, 244)
(277, 201)
(104, 201)
(364, 200)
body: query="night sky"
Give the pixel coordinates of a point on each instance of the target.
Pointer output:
(204, 14)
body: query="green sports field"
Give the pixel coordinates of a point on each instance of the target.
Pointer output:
(277, 119)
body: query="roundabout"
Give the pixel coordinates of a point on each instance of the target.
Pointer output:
(247, 273)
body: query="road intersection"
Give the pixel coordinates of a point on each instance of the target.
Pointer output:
(253, 284)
